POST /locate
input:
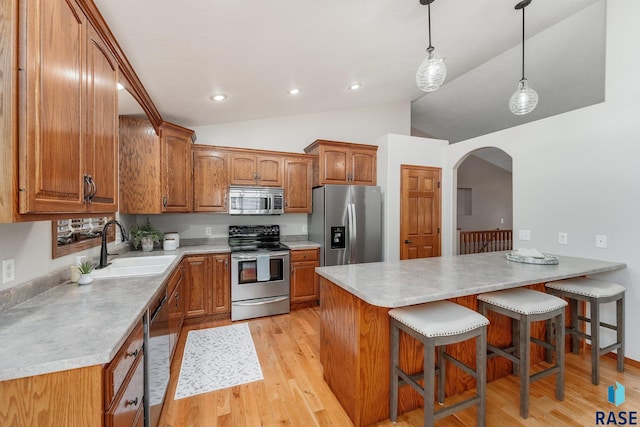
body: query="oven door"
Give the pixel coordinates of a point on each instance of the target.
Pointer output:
(245, 275)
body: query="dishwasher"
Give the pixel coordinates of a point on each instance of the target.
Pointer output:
(157, 360)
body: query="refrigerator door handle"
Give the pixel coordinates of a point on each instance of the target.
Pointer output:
(353, 236)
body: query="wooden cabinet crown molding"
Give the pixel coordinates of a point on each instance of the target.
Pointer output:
(131, 81)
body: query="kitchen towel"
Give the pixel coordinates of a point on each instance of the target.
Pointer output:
(264, 270)
(217, 358)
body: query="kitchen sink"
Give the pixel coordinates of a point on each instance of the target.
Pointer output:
(135, 266)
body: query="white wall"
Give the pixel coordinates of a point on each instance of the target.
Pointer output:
(491, 195)
(293, 133)
(578, 172)
(394, 151)
(194, 225)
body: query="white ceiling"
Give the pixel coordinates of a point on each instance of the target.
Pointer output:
(255, 51)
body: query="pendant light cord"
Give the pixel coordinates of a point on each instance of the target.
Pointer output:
(523, 43)
(429, 21)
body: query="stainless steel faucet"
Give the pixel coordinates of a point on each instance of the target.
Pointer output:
(103, 248)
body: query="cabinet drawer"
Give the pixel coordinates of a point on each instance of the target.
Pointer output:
(128, 402)
(304, 255)
(117, 370)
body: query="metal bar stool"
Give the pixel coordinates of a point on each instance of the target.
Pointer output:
(435, 325)
(525, 306)
(594, 292)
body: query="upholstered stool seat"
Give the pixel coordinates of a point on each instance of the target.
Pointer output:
(435, 325)
(525, 306)
(594, 292)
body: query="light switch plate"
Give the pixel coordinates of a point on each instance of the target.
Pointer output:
(524, 235)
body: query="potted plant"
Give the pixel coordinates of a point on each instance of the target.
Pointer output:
(145, 235)
(85, 268)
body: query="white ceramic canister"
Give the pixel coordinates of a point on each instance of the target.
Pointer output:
(169, 244)
(173, 235)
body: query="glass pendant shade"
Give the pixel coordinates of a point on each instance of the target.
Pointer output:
(524, 100)
(431, 72)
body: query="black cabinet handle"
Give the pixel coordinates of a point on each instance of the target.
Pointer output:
(134, 353)
(408, 241)
(131, 402)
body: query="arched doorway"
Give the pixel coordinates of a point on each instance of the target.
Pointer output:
(484, 201)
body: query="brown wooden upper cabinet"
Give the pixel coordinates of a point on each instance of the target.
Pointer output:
(155, 171)
(249, 168)
(68, 102)
(298, 180)
(210, 179)
(343, 163)
(175, 151)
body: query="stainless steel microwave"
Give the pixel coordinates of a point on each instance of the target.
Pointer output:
(256, 201)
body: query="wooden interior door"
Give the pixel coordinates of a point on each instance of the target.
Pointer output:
(420, 207)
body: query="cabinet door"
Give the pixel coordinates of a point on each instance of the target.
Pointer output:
(243, 169)
(210, 180)
(176, 308)
(175, 149)
(140, 189)
(362, 167)
(303, 282)
(334, 163)
(102, 120)
(52, 111)
(196, 279)
(269, 171)
(298, 181)
(221, 301)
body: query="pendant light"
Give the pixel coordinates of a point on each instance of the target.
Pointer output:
(432, 71)
(525, 99)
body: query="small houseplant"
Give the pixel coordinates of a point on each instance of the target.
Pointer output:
(85, 268)
(146, 235)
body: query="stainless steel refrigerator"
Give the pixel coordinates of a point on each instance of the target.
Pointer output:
(347, 222)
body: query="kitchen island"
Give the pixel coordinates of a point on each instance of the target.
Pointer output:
(354, 335)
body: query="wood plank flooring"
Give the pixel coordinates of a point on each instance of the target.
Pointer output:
(293, 392)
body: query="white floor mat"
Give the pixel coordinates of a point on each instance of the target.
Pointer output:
(217, 358)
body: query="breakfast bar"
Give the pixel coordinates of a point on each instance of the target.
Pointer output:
(354, 335)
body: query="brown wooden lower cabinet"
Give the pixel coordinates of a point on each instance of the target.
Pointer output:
(304, 283)
(175, 290)
(109, 395)
(207, 285)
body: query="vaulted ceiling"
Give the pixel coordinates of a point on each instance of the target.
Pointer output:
(255, 52)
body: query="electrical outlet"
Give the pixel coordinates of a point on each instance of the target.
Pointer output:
(8, 270)
(304, 228)
(207, 231)
(524, 235)
(601, 241)
(563, 238)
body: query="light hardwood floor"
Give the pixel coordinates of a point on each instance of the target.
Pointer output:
(293, 392)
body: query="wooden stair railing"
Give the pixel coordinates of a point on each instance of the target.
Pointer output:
(473, 242)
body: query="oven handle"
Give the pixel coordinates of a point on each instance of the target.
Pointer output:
(261, 302)
(253, 257)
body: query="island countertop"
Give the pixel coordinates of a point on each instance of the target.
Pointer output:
(402, 283)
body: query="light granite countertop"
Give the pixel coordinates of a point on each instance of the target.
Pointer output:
(402, 283)
(74, 326)
(299, 245)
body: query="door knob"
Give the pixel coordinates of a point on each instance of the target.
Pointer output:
(408, 241)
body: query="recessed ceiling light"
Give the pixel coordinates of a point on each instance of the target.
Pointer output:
(295, 91)
(218, 97)
(355, 86)
(120, 86)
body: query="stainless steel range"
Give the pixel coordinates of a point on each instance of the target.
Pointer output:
(259, 272)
